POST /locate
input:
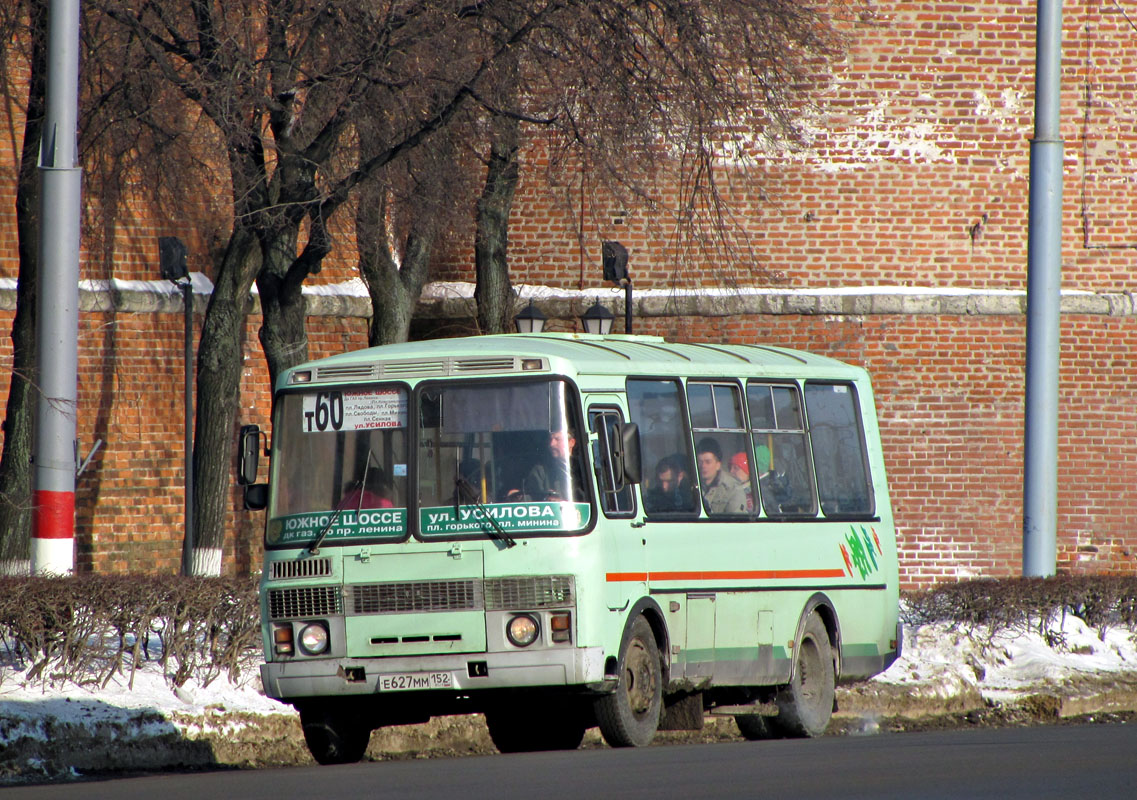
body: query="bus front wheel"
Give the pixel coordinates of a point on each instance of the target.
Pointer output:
(629, 716)
(333, 735)
(558, 727)
(806, 703)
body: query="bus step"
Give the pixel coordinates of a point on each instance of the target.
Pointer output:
(755, 709)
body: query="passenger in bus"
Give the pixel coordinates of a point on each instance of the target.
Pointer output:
(722, 492)
(555, 477)
(672, 488)
(371, 491)
(740, 469)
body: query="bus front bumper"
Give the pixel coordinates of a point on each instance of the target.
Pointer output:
(466, 672)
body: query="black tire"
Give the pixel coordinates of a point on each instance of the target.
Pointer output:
(535, 729)
(754, 727)
(629, 716)
(334, 736)
(806, 703)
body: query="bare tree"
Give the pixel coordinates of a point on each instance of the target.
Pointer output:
(285, 83)
(16, 462)
(313, 100)
(646, 98)
(400, 215)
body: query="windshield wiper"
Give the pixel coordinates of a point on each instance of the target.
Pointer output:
(466, 494)
(314, 549)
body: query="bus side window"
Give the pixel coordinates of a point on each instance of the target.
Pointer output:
(843, 480)
(781, 450)
(721, 449)
(668, 487)
(616, 497)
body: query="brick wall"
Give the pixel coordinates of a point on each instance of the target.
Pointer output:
(914, 173)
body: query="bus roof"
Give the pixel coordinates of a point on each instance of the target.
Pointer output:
(572, 353)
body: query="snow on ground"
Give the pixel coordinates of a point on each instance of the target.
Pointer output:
(123, 699)
(939, 661)
(942, 660)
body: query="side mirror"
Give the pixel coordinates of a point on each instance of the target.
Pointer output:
(630, 452)
(249, 454)
(256, 496)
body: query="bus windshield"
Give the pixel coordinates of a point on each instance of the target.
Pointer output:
(507, 451)
(341, 461)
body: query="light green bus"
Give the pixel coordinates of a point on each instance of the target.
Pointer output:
(563, 531)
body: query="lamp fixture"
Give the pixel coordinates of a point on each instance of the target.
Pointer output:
(530, 319)
(615, 260)
(597, 319)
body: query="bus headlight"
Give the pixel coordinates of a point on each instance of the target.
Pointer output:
(522, 630)
(313, 639)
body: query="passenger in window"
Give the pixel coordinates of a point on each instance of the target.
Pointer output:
(740, 469)
(373, 490)
(555, 477)
(672, 488)
(722, 492)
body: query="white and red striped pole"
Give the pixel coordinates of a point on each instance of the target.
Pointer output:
(57, 301)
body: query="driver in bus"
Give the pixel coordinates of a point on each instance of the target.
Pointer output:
(555, 477)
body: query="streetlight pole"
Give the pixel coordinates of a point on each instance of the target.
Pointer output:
(1043, 303)
(172, 264)
(57, 301)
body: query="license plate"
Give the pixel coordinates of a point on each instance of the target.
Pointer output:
(410, 681)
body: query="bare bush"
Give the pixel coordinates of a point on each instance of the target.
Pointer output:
(1101, 601)
(86, 629)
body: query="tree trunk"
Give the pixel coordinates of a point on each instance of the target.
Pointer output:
(394, 290)
(219, 366)
(493, 292)
(284, 310)
(19, 436)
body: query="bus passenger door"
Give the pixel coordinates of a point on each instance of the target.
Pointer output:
(625, 564)
(699, 649)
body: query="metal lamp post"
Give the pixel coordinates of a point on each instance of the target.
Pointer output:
(172, 264)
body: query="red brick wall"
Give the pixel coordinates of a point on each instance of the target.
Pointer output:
(915, 173)
(949, 395)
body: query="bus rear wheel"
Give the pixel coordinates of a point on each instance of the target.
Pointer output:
(629, 716)
(806, 703)
(333, 735)
(753, 727)
(531, 730)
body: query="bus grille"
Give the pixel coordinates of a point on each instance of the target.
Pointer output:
(395, 598)
(301, 568)
(333, 373)
(484, 365)
(542, 591)
(419, 368)
(304, 601)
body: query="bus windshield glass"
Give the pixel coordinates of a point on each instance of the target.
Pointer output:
(507, 452)
(341, 466)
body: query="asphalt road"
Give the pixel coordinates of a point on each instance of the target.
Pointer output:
(1069, 761)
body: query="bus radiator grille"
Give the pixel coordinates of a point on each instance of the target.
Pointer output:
(540, 591)
(304, 601)
(301, 568)
(414, 596)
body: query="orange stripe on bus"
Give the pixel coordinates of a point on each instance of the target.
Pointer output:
(726, 575)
